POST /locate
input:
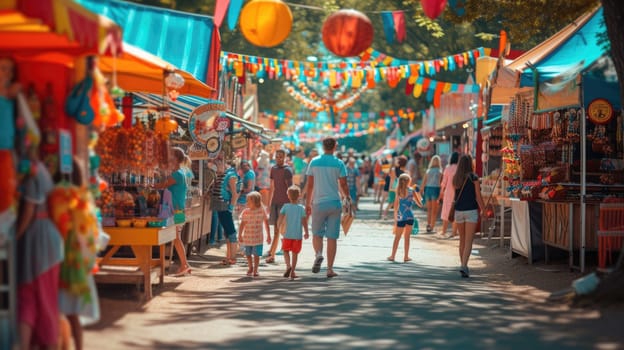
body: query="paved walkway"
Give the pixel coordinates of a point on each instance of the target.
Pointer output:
(372, 304)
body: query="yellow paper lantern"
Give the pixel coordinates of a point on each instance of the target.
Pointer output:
(266, 23)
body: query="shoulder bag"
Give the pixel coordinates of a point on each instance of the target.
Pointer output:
(451, 216)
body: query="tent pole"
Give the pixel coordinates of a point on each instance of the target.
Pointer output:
(583, 124)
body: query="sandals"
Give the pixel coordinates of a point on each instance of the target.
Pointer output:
(183, 272)
(390, 258)
(407, 260)
(270, 260)
(293, 276)
(287, 273)
(227, 262)
(331, 274)
(317, 264)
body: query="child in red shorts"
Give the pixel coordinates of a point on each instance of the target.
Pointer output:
(294, 218)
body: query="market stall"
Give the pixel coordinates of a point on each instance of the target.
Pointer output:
(29, 28)
(562, 135)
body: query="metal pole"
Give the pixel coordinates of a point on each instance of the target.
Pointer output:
(583, 126)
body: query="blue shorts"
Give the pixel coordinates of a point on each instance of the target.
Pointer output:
(432, 193)
(409, 222)
(326, 219)
(471, 216)
(253, 250)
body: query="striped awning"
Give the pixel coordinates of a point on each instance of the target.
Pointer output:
(182, 108)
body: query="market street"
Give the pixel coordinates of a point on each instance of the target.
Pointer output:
(372, 304)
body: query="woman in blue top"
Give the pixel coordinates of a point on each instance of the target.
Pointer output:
(404, 218)
(177, 184)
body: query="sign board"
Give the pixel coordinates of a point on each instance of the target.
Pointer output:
(239, 141)
(198, 151)
(202, 120)
(222, 123)
(600, 111)
(65, 152)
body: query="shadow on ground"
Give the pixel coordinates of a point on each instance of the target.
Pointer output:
(390, 306)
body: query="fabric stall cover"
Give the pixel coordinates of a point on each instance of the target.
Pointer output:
(185, 40)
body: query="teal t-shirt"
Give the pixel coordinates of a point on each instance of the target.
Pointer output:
(178, 189)
(294, 214)
(326, 170)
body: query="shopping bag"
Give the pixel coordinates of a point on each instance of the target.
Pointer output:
(348, 215)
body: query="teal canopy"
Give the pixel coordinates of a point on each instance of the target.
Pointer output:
(183, 39)
(582, 46)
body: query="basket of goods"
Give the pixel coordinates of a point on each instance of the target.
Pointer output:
(124, 204)
(124, 222)
(139, 222)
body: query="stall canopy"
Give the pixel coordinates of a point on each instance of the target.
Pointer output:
(577, 42)
(188, 41)
(181, 109)
(55, 25)
(410, 139)
(135, 70)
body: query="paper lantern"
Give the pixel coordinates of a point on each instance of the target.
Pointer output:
(433, 8)
(347, 33)
(266, 23)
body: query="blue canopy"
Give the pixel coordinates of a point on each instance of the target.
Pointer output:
(180, 38)
(581, 45)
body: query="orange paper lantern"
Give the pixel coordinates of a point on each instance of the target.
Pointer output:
(266, 23)
(347, 33)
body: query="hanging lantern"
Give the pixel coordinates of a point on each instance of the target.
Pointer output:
(347, 33)
(266, 23)
(433, 8)
(174, 81)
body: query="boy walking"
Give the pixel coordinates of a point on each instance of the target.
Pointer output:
(294, 217)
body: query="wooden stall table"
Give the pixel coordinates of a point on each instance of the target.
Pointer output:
(141, 241)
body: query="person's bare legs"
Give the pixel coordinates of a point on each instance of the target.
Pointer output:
(249, 265)
(462, 240)
(407, 232)
(331, 254)
(455, 229)
(469, 231)
(274, 245)
(317, 244)
(179, 248)
(395, 244)
(256, 262)
(25, 335)
(293, 265)
(434, 214)
(76, 330)
(382, 201)
(287, 259)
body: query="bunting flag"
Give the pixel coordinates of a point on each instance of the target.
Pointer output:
(399, 25)
(221, 8)
(388, 26)
(233, 13)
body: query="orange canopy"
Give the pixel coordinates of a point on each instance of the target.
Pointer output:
(59, 25)
(137, 70)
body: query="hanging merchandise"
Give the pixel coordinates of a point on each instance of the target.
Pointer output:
(8, 180)
(266, 23)
(78, 104)
(347, 33)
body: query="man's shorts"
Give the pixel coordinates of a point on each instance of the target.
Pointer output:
(326, 219)
(291, 245)
(471, 216)
(255, 250)
(274, 212)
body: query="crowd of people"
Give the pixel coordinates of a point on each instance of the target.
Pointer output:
(276, 193)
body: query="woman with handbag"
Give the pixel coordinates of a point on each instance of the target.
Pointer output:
(468, 206)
